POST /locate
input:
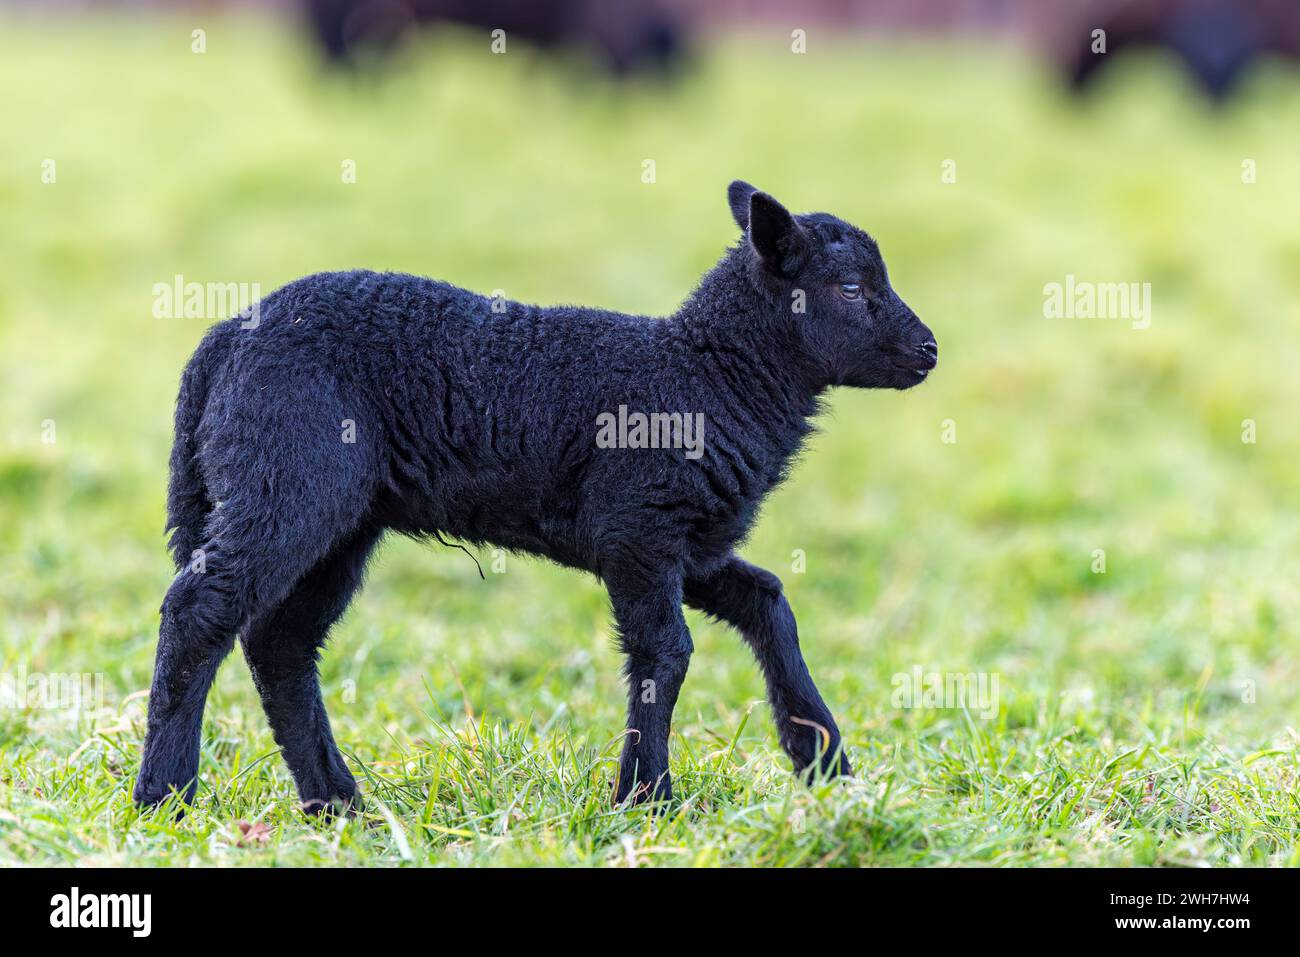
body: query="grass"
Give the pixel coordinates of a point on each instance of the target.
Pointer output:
(1147, 714)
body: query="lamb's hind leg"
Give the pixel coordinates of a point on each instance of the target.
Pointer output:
(750, 599)
(284, 506)
(240, 573)
(199, 616)
(282, 648)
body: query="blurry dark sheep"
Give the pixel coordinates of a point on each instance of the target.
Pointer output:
(626, 35)
(1217, 40)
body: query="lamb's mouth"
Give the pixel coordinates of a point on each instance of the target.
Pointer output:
(921, 372)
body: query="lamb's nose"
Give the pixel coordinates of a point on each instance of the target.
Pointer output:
(930, 349)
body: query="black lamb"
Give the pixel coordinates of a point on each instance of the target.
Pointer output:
(638, 449)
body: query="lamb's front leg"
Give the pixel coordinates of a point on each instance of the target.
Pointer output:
(750, 599)
(653, 634)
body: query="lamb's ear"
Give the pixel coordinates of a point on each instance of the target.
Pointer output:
(738, 194)
(775, 236)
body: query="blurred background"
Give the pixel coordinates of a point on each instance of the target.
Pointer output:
(1098, 509)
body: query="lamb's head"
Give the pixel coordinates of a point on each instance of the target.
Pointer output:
(833, 285)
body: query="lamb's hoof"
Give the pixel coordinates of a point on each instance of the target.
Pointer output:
(328, 809)
(149, 795)
(824, 767)
(658, 792)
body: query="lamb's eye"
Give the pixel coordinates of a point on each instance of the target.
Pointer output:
(850, 291)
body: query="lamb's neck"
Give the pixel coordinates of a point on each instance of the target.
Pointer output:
(729, 323)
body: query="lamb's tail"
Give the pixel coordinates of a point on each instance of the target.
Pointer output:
(188, 501)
